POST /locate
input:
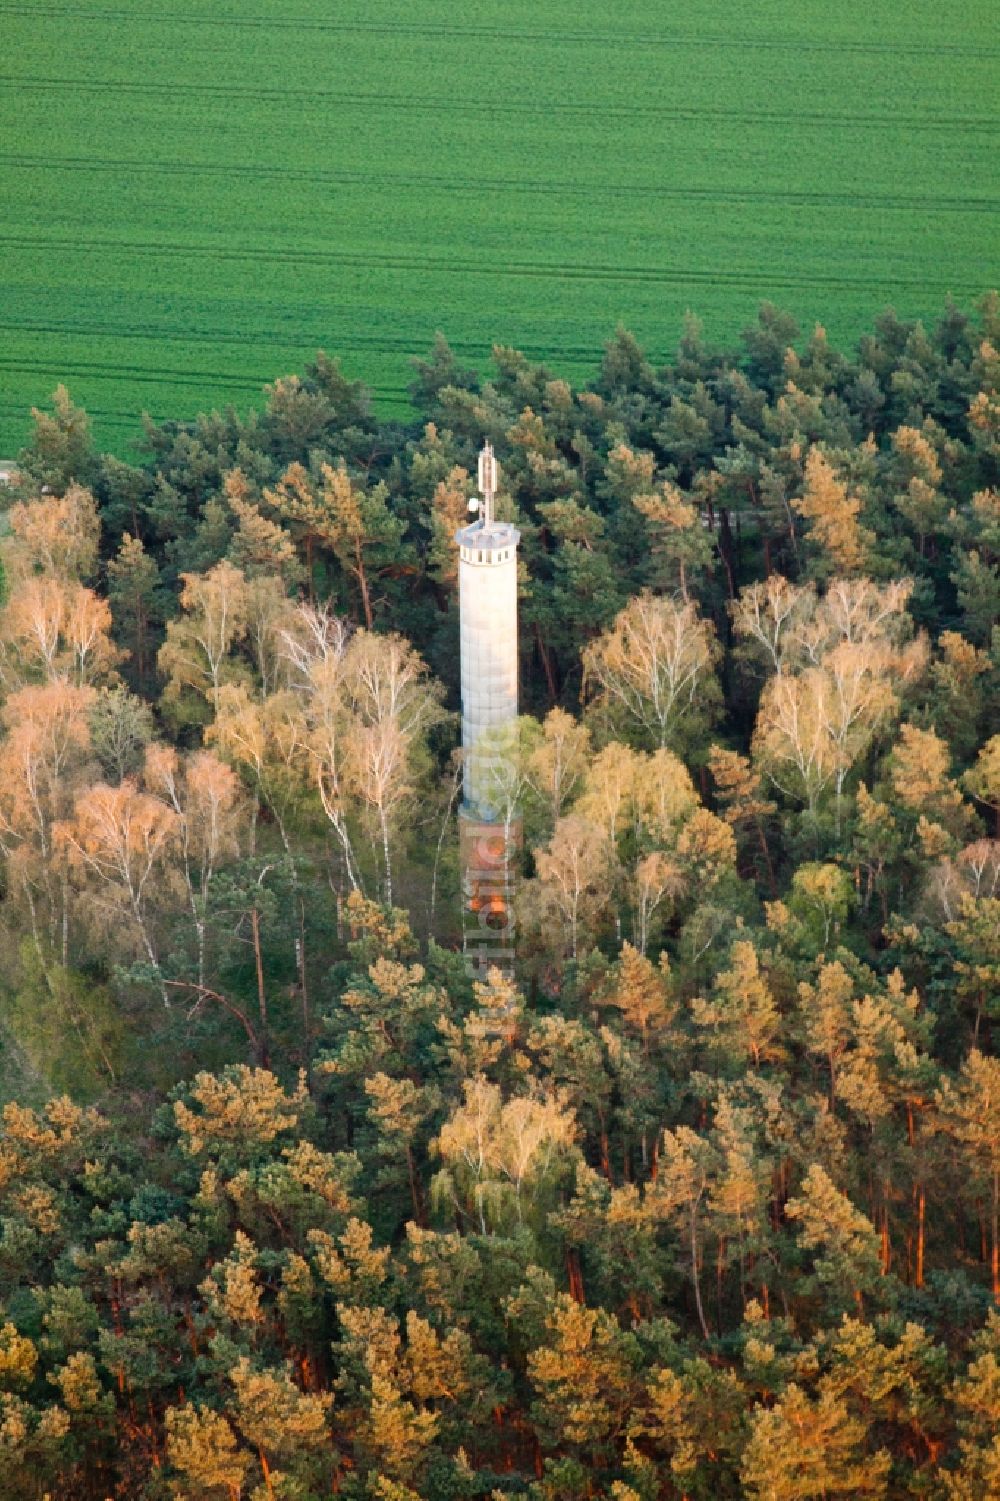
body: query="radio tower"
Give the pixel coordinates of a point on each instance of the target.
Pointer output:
(487, 578)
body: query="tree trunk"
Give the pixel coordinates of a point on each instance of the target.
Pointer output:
(415, 1195)
(574, 1274)
(142, 625)
(605, 1155)
(261, 991)
(720, 1267)
(546, 664)
(303, 987)
(726, 550)
(150, 951)
(694, 1270)
(384, 826)
(996, 1237)
(921, 1210)
(363, 582)
(772, 883)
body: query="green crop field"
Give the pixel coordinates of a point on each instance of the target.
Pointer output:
(197, 195)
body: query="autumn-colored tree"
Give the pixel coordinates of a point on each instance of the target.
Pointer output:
(653, 672)
(205, 1453)
(557, 763)
(792, 626)
(271, 617)
(287, 1428)
(826, 1016)
(774, 616)
(694, 1418)
(55, 535)
(814, 724)
(918, 772)
(449, 512)
(501, 1155)
(742, 1014)
(42, 757)
(687, 1165)
(643, 994)
(679, 543)
(392, 703)
(841, 1239)
(610, 794)
(745, 808)
(801, 1448)
(918, 474)
(832, 511)
(265, 739)
(118, 841)
(971, 1113)
(235, 1114)
(54, 630)
(202, 794)
(260, 547)
(573, 882)
(585, 1379)
(367, 703)
(983, 779)
(977, 1400)
(196, 653)
(356, 525)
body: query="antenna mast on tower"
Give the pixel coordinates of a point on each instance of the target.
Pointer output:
(487, 484)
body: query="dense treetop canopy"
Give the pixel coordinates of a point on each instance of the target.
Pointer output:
(704, 1201)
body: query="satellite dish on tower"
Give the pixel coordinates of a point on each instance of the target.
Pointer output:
(473, 503)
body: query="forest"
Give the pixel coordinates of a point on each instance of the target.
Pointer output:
(701, 1199)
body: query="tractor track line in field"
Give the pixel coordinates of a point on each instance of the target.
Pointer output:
(147, 374)
(371, 261)
(273, 339)
(547, 107)
(113, 416)
(441, 30)
(132, 418)
(889, 201)
(102, 369)
(151, 376)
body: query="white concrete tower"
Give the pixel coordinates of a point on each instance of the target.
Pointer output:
(487, 579)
